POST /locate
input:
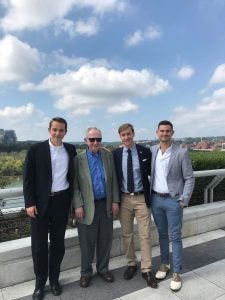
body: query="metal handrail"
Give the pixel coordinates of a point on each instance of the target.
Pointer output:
(218, 173)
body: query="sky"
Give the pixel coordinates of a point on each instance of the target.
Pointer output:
(107, 62)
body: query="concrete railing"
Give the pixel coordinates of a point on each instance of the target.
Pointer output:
(15, 256)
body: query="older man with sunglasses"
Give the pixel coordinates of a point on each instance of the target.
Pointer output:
(95, 202)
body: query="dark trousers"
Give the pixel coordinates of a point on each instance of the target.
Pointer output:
(47, 261)
(97, 236)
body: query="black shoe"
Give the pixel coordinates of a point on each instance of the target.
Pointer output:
(150, 278)
(56, 289)
(129, 272)
(38, 294)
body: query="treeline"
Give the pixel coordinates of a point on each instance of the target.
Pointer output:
(12, 163)
(202, 160)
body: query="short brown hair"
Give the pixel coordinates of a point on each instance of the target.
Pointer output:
(165, 122)
(125, 126)
(59, 120)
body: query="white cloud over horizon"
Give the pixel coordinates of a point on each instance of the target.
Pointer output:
(208, 114)
(28, 121)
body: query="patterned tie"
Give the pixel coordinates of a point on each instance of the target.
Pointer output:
(130, 175)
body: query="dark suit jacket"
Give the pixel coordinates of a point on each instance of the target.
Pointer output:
(144, 155)
(37, 180)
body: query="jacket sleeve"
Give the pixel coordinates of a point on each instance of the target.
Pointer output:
(28, 179)
(116, 197)
(189, 179)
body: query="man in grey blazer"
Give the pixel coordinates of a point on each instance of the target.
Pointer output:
(95, 201)
(172, 184)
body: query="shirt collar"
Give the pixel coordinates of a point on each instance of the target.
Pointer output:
(93, 154)
(55, 147)
(131, 148)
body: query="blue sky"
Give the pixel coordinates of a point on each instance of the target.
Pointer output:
(106, 62)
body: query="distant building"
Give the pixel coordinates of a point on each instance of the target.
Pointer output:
(2, 136)
(8, 136)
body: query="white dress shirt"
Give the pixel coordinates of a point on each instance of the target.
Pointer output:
(60, 161)
(161, 171)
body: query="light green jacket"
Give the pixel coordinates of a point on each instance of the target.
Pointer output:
(83, 190)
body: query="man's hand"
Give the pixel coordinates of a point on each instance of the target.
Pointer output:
(115, 209)
(32, 211)
(79, 213)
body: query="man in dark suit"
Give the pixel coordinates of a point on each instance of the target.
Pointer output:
(133, 167)
(48, 189)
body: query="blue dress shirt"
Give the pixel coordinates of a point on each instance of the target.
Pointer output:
(97, 174)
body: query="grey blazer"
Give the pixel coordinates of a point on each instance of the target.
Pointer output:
(83, 190)
(180, 177)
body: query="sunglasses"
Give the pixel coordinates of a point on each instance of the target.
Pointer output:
(95, 139)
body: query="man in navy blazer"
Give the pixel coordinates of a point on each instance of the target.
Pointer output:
(134, 201)
(48, 189)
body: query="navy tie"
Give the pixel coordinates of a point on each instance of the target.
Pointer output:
(130, 175)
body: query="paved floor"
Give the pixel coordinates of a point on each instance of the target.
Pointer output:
(203, 277)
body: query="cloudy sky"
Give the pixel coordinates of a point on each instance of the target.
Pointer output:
(105, 62)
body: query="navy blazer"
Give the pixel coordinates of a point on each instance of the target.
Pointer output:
(37, 179)
(144, 155)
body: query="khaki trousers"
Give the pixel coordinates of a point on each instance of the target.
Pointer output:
(135, 206)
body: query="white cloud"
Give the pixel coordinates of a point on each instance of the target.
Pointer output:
(218, 75)
(139, 36)
(185, 72)
(102, 6)
(207, 116)
(11, 112)
(124, 107)
(35, 14)
(81, 27)
(18, 61)
(95, 87)
(75, 62)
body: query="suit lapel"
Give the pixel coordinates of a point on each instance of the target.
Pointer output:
(47, 157)
(154, 154)
(85, 166)
(172, 157)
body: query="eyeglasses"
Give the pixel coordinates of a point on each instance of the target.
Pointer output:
(95, 139)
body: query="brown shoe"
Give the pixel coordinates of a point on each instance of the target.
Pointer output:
(107, 276)
(85, 281)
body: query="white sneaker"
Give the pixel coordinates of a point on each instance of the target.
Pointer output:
(162, 272)
(176, 283)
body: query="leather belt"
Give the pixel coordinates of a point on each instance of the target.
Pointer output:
(53, 194)
(163, 195)
(134, 193)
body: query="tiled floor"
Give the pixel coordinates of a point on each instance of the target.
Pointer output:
(203, 277)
